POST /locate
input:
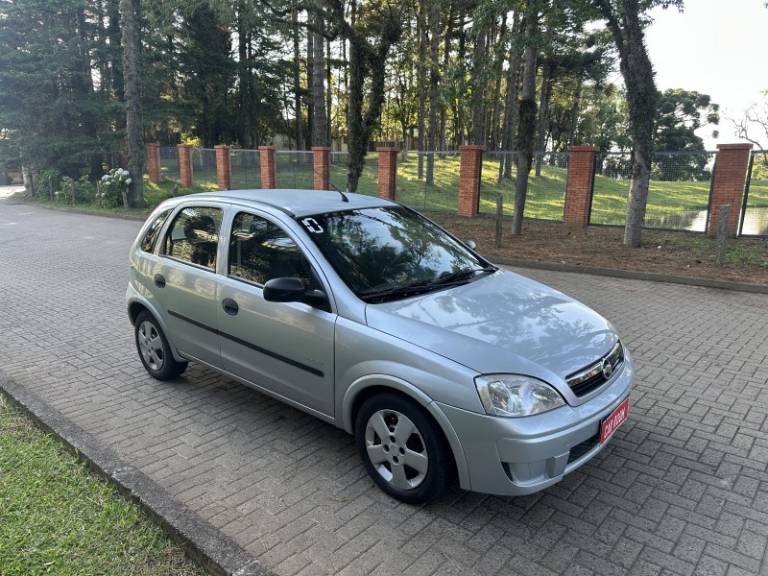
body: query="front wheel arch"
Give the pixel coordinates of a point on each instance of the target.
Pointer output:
(367, 386)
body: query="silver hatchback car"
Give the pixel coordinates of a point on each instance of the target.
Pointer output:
(373, 318)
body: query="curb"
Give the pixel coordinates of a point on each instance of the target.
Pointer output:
(116, 216)
(633, 275)
(205, 544)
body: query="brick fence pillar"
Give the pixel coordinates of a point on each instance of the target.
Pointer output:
(729, 180)
(321, 160)
(185, 165)
(469, 179)
(578, 190)
(387, 176)
(267, 163)
(223, 167)
(153, 161)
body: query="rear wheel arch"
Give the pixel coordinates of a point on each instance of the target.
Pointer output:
(135, 308)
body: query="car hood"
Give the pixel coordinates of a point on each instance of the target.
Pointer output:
(503, 322)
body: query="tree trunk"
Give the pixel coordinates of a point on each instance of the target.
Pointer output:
(574, 120)
(541, 130)
(319, 126)
(245, 95)
(297, 79)
(434, 79)
(527, 118)
(421, 81)
(478, 85)
(328, 94)
(642, 96)
(446, 61)
(498, 61)
(462, 50)
(130, 11)
(510, 99)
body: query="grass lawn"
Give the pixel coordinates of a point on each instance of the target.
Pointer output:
(58, 518)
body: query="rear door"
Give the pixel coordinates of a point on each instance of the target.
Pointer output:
(186, 283)
(286, 348)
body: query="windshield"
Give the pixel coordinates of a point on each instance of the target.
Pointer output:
(391, 252)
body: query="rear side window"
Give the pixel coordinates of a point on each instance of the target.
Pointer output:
(194, 236)
(260, 250)
(148, 242)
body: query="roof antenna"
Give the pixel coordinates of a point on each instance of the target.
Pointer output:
(333, 186)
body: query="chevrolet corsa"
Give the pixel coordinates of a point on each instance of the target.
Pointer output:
(371, 317)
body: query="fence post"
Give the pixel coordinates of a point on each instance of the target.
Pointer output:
(267, 166)
(387, 177)
(321, 160)
(470, 167)
(185, 165)
(579, 185)
(729, 180)
(722, 233)
(153, 161)
(223, 167)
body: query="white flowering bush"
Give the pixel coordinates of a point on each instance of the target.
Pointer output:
(113, 187)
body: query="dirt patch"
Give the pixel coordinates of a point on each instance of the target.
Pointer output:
(678, 253)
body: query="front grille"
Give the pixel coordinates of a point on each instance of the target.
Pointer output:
(595, 375)
(582, 448)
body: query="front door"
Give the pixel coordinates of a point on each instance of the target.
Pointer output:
(286, 348)
(186, 283)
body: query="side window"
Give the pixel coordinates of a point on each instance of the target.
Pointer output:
(260, 250)
(194, 236)
(148, 242)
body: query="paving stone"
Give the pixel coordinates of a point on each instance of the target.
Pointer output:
(682, 489)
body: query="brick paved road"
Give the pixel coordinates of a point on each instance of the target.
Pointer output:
(683, 488)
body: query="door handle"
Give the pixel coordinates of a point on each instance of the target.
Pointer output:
(230, 306)
(159, 280)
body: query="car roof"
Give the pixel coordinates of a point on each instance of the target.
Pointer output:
(297, 202)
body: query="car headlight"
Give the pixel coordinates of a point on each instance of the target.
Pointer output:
(512, 395)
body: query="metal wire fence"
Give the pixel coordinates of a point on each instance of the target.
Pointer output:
(245, 168)
(545, 199)
(368, 182)
(169, 163)
(294, 169)
(678, 196)
(755, 214)
(428, 181)
(204, 168)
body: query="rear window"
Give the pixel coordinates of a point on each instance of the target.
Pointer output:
(150, 236)
(194, 236)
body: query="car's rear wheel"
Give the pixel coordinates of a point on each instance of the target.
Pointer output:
(404, 451)
(154, 350)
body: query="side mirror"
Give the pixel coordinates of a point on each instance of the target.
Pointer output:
(291, 290)
(471, 244)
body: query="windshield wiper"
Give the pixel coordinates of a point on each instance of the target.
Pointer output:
(462, 275)
(446, 281)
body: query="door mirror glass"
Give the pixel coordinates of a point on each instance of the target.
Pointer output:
(291, 290)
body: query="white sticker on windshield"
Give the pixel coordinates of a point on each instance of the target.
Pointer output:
(311, 225)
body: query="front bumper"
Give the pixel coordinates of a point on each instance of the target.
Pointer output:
(517, 456)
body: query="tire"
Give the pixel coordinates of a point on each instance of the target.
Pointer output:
(402, 448)
(153, 348)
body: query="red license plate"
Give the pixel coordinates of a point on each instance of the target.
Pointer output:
(611, 423)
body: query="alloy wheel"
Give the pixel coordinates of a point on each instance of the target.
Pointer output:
(396, 449)
(150, 345)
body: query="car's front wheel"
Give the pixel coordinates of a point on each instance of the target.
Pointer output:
(403, 450)
(154, 350)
